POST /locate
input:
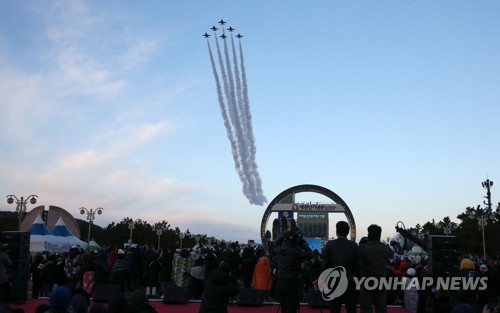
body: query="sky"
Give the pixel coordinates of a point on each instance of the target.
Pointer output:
(393, 105)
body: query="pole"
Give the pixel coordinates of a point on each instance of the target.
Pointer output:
(20, 205)
(484, 242)
(88, 235)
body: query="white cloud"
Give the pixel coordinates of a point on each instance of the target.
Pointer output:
(81, 73)
(138, 53)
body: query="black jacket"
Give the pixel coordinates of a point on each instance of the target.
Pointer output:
(218, 290)
(290, 257)
(341, 252)
(373, 258)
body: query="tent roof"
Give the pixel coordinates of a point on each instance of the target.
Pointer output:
(60, 229)
(93, 243)
(38, 227)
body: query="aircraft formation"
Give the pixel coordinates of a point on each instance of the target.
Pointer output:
(228, 67)
(223, 36)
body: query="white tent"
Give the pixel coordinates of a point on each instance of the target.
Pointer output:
(63, 234)
(93, 245)
(41, 239)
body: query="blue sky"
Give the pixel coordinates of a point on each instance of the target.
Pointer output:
(393, 105)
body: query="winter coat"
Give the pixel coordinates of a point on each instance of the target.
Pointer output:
(262, 277)
(153, 274)
(181, 268)
(218, 290)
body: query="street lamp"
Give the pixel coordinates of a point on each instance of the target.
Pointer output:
(482, 216)
(447, 225)
(21, 205)
(159, 231)
(447, 229)
(131, 226)
(90, 217)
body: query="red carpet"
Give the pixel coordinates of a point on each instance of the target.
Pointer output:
(192, 307)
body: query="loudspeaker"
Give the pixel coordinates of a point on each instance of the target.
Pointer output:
(103, 293)
(443, 242)
(17, 252)
(15, 237)
(316, 300)
(17, 244)
(443, 255)
(250, 296)
(175, 294)
(18, 249)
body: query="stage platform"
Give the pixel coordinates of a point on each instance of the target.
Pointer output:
(193, 306)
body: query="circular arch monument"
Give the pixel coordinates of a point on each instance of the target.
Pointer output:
(339, 207)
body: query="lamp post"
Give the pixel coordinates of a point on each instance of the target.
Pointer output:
(90, 217)
(482, 216)
(21, 205)
(159, 231)
(131, 226)
(447, 225)
(447, 229)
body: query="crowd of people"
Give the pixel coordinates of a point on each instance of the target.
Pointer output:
(287, 272)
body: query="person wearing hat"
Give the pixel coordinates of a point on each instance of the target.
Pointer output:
(488, 296)
(290, 253)
(465, 295)
(411, 290)
(120, 271)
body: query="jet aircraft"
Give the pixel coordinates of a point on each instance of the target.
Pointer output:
(213, 28)
(223, 36)
(239, 36)
(222, 22)
(206, 35)
(231, 29)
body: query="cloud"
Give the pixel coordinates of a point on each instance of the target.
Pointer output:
(78, 72)
(138, 53)
(75, 135)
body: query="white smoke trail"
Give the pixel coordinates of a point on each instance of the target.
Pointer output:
(239, 94)
(236, 120)
(229, 107)
(222, 106)
(243, 129)
(248, 163)
(260, 199)
(235, 108)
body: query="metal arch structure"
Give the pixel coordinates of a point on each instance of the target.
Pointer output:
(308, 188)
